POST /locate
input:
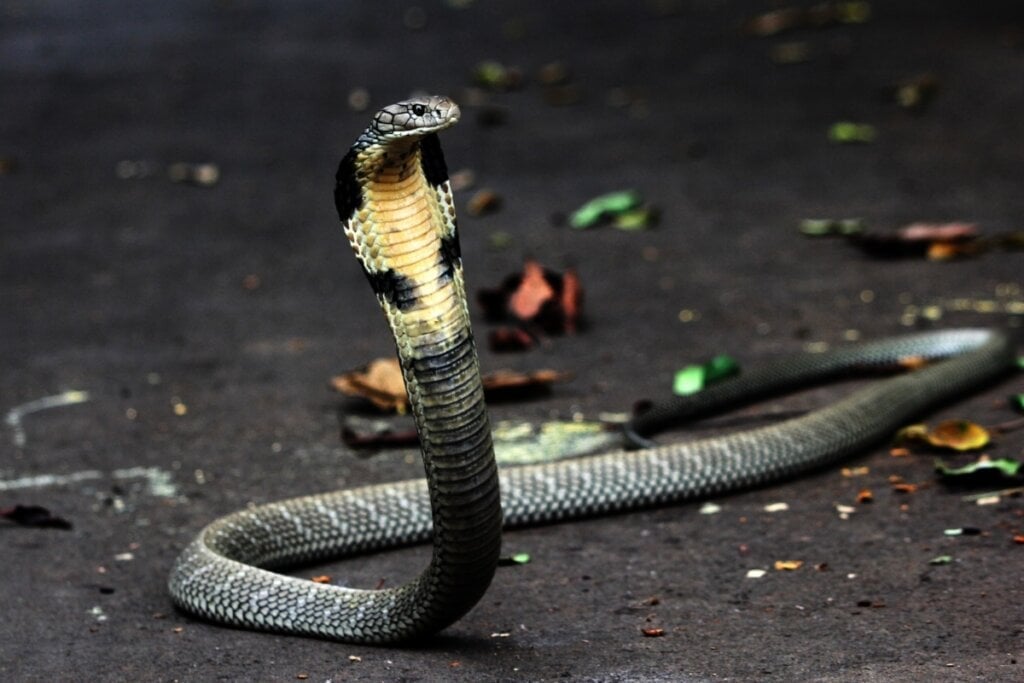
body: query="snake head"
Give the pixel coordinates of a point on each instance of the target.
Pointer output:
(414, 117)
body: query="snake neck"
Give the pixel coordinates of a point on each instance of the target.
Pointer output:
(401, 225)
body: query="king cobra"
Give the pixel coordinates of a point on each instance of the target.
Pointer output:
(395, 201)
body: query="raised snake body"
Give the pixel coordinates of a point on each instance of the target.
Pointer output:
(394, 199)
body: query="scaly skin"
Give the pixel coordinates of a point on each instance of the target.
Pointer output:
(395, 202)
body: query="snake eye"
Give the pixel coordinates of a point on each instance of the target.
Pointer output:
(419, 109)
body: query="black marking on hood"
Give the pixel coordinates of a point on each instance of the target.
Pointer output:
(432, 160)
(394, 288)
(451, 254)
(348, 193)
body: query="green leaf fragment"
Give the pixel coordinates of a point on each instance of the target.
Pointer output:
(604, 206)
(514, 560)
(848, 132)
(490, 74)
(635, 219)
(1020, 362)
(1005, 466)
(1017, 401)
(694, 378)
(941, 559)
(821, 227)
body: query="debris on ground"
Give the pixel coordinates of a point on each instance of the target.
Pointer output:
(788, 565)
(851, 132)
(536, 301)
(381, 382)
(957, 435)
(934, 241)
(913, 94)
(524, 443)
(514, 560)
(202, 175)
(820, 15)
(483, 202)
(982, 467)
(624, 209)
(34, 515)
(694, 378)
(822, 227)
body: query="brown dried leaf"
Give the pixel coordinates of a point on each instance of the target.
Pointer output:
(503, 385)
(935, 241)
(380, 382)
(532, 293)
(538, 299)
(505, 339)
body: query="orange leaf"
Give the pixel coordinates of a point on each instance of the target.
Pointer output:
(960, 435)
(532, 293)
(788, 565)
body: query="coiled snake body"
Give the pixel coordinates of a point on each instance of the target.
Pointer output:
(394, 199)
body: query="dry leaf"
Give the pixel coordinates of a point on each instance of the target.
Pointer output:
(536, 300)
(958, 435)
(34, 515)
(508, 384)
(935, 241)
(788, 565)
(380, 382)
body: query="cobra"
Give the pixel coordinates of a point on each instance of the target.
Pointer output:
(395, 201)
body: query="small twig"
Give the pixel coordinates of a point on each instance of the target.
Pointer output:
(989, 494)
(1008, 426)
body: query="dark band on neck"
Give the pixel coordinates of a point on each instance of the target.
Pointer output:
(432, 160)
(394, 288)
(348, 194)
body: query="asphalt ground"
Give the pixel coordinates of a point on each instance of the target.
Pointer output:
(205, 321)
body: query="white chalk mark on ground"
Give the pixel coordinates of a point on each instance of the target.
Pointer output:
(14, 415)
(159, 482)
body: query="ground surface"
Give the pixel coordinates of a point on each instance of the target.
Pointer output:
(205, 322)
